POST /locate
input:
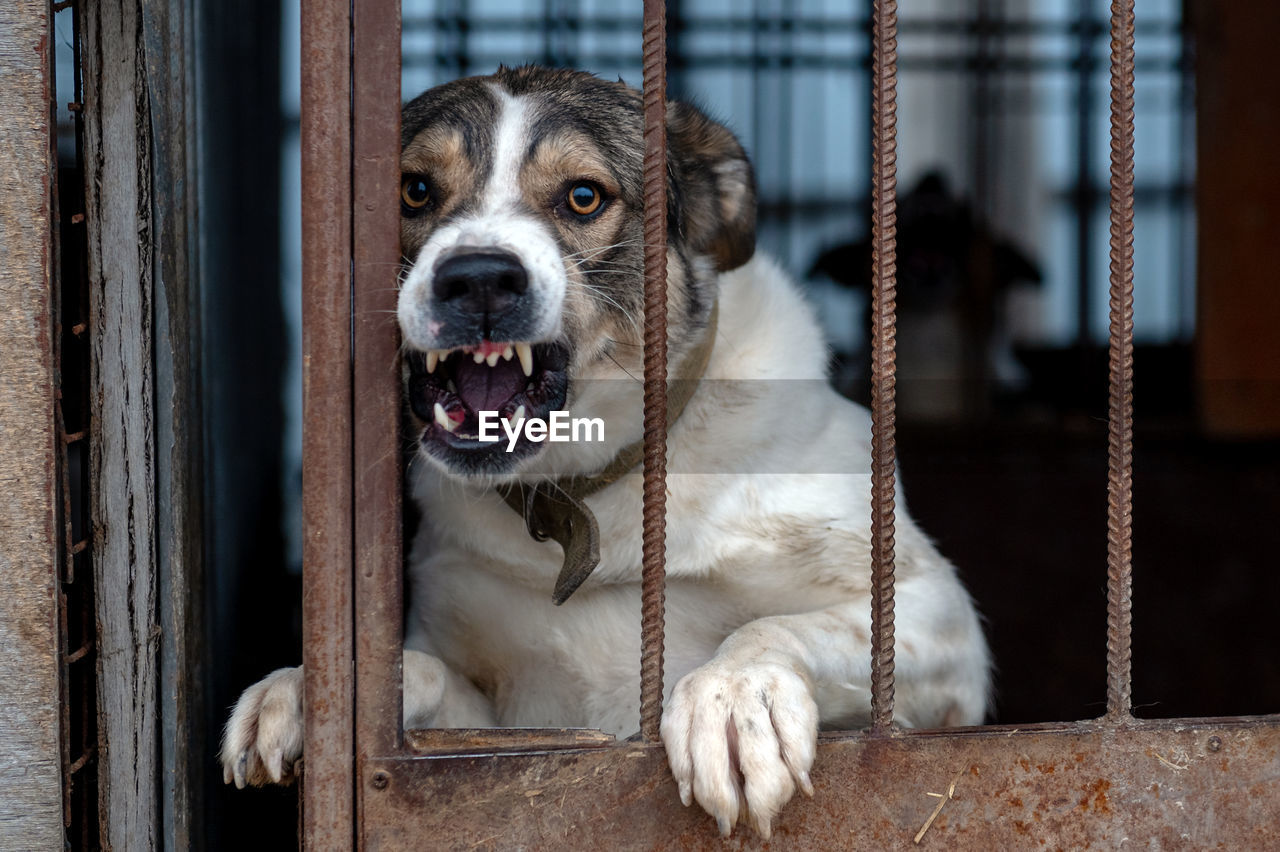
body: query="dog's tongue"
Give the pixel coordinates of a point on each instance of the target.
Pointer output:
(485, 388)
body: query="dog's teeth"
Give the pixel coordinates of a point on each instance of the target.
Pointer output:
(451, 387)
(525, 353)
(433, 358)
(443, 418)
(493, 357)
(479, 356)
(507, 353)
(519, 414)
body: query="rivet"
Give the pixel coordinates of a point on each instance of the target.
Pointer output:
(380, 780)
(1215, 743)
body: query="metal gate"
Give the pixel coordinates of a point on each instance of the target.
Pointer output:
(1109, 781)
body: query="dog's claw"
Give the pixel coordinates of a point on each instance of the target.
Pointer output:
(275, 765)
(726, 827)
(806, 785)
(686, 793)
(242, 765)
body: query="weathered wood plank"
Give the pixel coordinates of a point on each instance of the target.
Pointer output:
(167, 35)
(123, 451)
(30, 774)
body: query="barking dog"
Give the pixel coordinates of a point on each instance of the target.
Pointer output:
(521, 201)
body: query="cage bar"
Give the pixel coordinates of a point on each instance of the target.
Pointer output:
(884, 183)
(655, 367)
(1120, 427)
(328, 813)
(376, 390)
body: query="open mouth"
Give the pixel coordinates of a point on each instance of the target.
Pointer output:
(449, 388)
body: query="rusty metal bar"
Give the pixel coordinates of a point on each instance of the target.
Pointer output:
(328, 741)
(884, 187)
(653, 592)
(1172, 784)
(437, 742)
(1120, 431)
(376, 391)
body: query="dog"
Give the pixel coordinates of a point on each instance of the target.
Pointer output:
(522, 219)
(956, 274)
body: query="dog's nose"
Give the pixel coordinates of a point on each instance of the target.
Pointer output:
(482, 282)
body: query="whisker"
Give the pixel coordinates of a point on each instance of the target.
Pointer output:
(623, 369)
(599, 249)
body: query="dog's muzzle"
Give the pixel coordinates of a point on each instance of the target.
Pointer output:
(483, 295)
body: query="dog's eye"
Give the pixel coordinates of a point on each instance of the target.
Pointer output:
(415, 193)
(584, 198)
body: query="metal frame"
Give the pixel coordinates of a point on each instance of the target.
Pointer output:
(328, 812)
(1177, 782)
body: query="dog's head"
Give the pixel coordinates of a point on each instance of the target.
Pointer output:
(521, 200)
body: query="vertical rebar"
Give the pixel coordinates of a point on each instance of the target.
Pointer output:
(1120, 432)
(884, 183)
(653, 591)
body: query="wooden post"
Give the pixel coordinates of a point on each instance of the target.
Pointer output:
(30, 757)
(118, 215)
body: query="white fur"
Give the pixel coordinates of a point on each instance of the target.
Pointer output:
(768, 613)
(497, 225)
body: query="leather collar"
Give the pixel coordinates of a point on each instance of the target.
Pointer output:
(556, 509)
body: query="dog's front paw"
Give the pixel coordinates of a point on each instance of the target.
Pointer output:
(740, 740)
(263, 738)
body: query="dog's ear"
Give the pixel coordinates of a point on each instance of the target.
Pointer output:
(711, 189)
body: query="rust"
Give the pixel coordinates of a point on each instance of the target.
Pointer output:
(1095, 797)
(83, 760)
(328, 812)
(442, 741)
(654, 521)
(376, 381)
(884, 183)
(80, 653)
(871, 793)
(1120, 429)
